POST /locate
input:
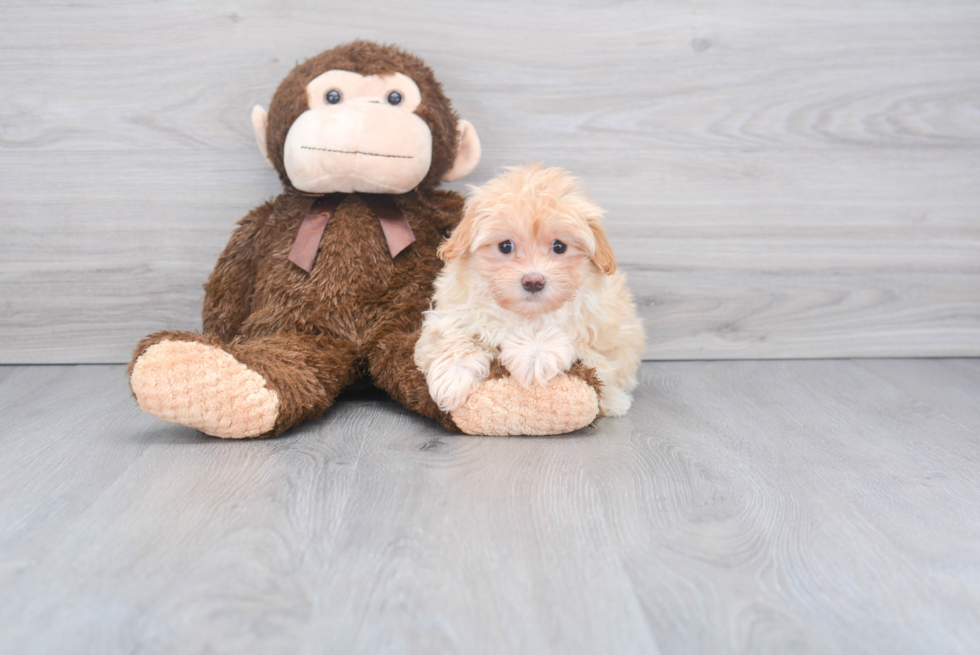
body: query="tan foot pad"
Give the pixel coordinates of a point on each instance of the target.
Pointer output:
(203, 387)
(503, 407)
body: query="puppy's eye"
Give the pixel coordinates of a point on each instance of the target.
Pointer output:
(558, 247)
(394, 98)
(332, 97)
(506, 247)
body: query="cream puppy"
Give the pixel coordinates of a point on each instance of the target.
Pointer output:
(530, 278)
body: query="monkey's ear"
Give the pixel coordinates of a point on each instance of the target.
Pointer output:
(260, 122)
(468, 155)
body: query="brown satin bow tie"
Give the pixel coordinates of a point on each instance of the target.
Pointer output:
(398, 233)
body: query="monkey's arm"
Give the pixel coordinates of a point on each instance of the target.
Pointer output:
(446, 209)
(228, 292)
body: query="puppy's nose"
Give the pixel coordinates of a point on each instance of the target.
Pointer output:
(533, 282)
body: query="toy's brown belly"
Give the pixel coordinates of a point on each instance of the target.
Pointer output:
(354, 284)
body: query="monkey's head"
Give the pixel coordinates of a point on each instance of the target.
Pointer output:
(364, 117)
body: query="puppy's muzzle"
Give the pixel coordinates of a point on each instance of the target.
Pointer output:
(533, 282)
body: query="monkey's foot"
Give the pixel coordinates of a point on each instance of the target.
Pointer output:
(500, 406)
(203, 387)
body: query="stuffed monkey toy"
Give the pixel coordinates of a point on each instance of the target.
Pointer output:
(326, 284)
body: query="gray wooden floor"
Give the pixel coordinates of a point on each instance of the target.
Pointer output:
(744, 506)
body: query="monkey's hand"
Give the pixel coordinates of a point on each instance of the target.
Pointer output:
(537, 356)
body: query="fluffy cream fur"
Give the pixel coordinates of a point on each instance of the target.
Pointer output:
(482, 309)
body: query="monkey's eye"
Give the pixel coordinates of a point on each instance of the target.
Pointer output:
(332, 97)
(506, 247)
(394, 98)
(558, 247)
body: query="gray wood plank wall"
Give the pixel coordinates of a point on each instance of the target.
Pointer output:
(781, 179)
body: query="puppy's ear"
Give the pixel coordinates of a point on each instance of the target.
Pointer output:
(460, 240)
(604, 256)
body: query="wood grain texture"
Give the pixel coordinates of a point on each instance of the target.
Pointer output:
(792, 180)
(741, 507)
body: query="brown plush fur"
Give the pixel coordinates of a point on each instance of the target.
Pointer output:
(356, 314)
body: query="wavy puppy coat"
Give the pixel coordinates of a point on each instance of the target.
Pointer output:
(530, 278)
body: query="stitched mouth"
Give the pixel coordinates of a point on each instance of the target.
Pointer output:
(356, 152)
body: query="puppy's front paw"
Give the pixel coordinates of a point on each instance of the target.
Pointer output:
(451, 381)
(537, 357)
